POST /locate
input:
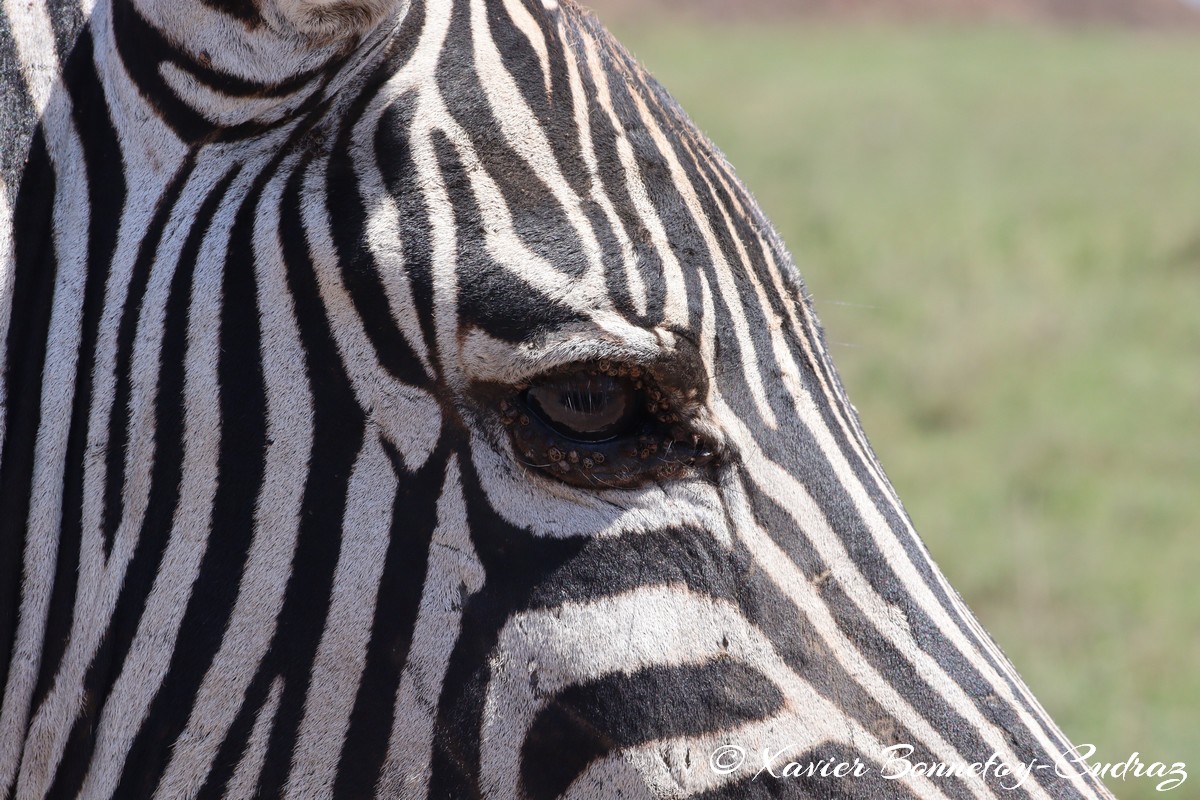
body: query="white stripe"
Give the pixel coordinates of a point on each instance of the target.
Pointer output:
(244, 783)
(807, 332)
(259, 53)
(808, 603)
(791, 496)
(527, 25)
(730, 296)
(153, 646)
(454, 570)
(728, 289)
(7, 271)
(384, 225)
(809, 337)
(146, 180)
(675, 310)
(650, 626)
(33, 37)
(789, 370)
(100, 580)
(69, 219)
(134, 220)
(342, 653)
(1000, 667)
(501, 240)
(500, 237)
(229, 111)
(277, 515)
(545, 507)
(587, 147)
(408, 415)
(443, 242)
(526, 135)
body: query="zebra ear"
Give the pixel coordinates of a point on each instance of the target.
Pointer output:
(327, 21)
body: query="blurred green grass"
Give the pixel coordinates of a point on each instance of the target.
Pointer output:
(1001, 228)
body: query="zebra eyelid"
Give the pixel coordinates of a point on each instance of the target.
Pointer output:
(668, 440)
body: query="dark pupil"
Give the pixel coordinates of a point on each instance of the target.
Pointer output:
(588, 407)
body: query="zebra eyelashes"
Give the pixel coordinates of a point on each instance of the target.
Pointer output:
(586, 407)
(605, 424)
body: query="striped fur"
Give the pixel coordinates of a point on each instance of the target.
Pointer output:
(272, 273)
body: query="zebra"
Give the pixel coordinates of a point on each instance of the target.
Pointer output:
(404, 399)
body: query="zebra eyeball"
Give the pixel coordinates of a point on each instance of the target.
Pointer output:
(583, 407)
(605, 425)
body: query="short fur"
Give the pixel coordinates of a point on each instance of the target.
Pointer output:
(276, 518)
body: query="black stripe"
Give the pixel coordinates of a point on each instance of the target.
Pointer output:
(586, 722)
(401, 588)
(106, 199)
(805, 459)
(555, 114)
(242, 437)
(229, 754)
(338, 425)
(515, 562)
(348, 208)
(76, 759)
(166, 474)
(116, 640)
(612, 177)
(896, 668)
(120, 414)
(490, 296)
(35, 270)
(755, 352)
(685, 240)
(694, 558)
(393, 153)
(66, 21)
(537, 218)
(338, 431)
(557, 117)
(245, 11)
(143, 50)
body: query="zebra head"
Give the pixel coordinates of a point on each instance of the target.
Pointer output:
(406, 400)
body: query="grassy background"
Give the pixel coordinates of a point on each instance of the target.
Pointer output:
(1001, 228)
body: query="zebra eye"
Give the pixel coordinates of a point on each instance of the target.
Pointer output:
(605, 425)
(584, 407)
